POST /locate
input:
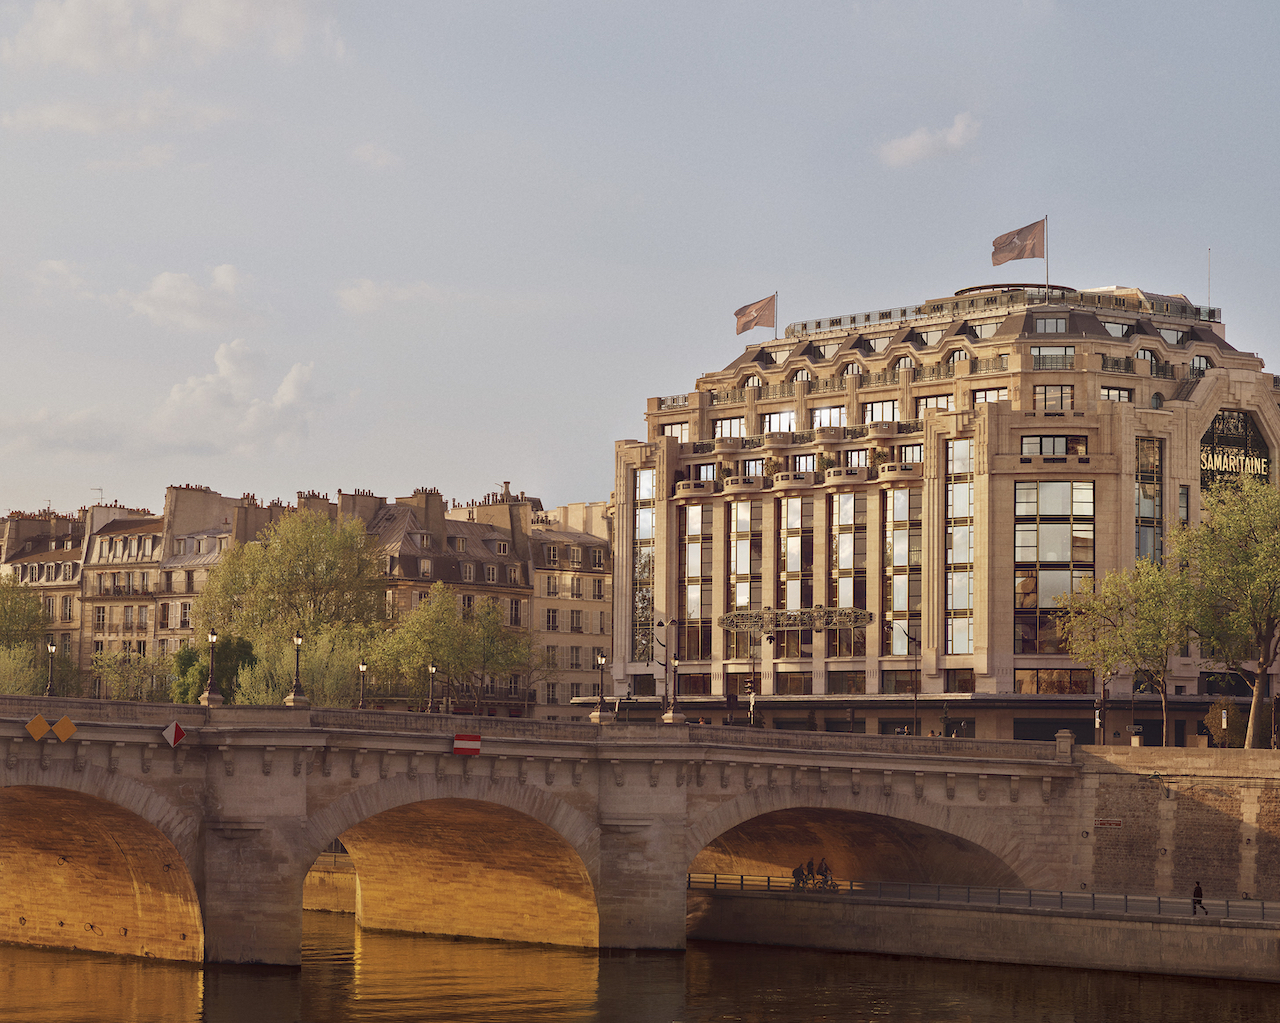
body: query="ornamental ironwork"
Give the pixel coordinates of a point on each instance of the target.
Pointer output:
(819, 618)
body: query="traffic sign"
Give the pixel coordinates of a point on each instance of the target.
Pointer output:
(466, 745)
(173, 734)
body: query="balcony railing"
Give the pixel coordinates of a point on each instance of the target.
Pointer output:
(1163, 370)
(996, 364)
(728, 397)
(673, 401)
(911, 426)
(942, 371)
(881, 379)
(1053, 362)
(1110, 365)
(802, 437)
(778, 391)
(823, 384)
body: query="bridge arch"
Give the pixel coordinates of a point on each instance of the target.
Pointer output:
(867, 837)
(85, 871)
(492, 860)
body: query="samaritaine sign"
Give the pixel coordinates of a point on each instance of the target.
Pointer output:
(1233, 445)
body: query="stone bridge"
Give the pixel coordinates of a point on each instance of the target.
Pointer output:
(565, 833)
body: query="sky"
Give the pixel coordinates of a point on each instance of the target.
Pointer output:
(276, 246)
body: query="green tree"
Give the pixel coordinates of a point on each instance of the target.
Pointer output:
(22, 617)
(1136, 619)
(328, 665)
(1234, 555)
(432, 633)
(191, 668)
(125, 677)
(304, 573)
(491, 649)
(1237, 723)
(19, 673)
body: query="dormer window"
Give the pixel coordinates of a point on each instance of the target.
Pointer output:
(801, 374)
(502, 546)
(553, 554)
(752, 381)
(460, 544)
(959, 355)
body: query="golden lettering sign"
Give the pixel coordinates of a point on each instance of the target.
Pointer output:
(1234, 461)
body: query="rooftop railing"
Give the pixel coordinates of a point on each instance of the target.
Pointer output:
(728, 397)
(673, 401)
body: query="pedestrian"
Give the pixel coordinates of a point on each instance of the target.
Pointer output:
(1197, 900)
(798, 874)
(809, 869)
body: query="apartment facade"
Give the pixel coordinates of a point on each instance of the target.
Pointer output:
(888, 503)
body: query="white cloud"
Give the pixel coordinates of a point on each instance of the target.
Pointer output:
(146, 158)
(225, 410)
(924, 143)
(375, 157)
(155, 110)
(98, 35)
(364, 296)
(176, 300)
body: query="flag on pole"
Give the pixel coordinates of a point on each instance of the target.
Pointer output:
(1024, 243)
(757, 314)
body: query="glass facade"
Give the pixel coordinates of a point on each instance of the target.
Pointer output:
(1053, 554)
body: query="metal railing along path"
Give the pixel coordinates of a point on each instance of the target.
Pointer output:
(1014, 898)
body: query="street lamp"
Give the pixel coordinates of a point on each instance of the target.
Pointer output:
(915, 683)
(297, 698)
(600, 693)
(675, 685)
(1100, 711)
(431, 686)
(363, 668)
(213, 693)
(53, 649)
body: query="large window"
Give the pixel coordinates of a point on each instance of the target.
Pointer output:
(847, 586)
(880, 412)
(795, 553)
(643, 484)
(945, 402)
(1115, 394)
(900, 595)
(835, 415)
(680, 431)
(1053, 555)
(693, 641)
(958, 605)
(1148, 495)
(1055, 397)
(743, 591)
(778, 422)
(735, 427)
(1055, 445)
(989, 394)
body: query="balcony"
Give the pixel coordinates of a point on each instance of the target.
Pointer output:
(911, 426)
(996, 364)
(1110, 365)
(1053, 362)
(728, 397)
(942, 371)
(674, 401)
(778, 391)
(885, 378)
(1163, 370)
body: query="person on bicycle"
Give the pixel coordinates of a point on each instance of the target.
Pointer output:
(824, 871)
(799, 876)
(809, 869)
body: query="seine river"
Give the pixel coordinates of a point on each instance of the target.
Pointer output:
(349, 976)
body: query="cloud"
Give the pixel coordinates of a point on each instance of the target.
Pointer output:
(375, 157)
(364, 296)
(925, 143)
(232, 410)
(100, 35)
(176, 300)
(155, 110)
(224, 411)
(146, 158)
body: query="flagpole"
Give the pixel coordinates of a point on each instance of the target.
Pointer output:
(1046, 257)
(775, 316)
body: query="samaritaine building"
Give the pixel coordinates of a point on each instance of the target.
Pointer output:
(885, 506)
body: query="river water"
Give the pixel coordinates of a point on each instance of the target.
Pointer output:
(351, 976)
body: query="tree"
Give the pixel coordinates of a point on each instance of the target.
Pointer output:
(432, 633)
(491, 649)
(304, 573)
(22, 617)
(1234, 556)
(1137, 619)
(126, 677)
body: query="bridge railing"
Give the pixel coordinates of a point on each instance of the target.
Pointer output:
(1019, 898)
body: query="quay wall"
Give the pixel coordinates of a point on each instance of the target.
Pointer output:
(330, 885)
(1205, 947)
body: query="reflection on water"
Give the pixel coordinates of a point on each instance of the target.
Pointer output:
(349, 976)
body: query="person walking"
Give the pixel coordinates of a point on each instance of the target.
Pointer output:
(1197, 900)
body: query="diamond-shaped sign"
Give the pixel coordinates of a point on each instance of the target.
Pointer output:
(64, 729)
(37, 727)
(173, 734)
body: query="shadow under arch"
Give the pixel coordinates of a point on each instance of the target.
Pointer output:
(858, 845)
(453, 865)
(82, 872)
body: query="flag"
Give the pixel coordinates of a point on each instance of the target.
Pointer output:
(757, 314)
(466, 745)
(1024, 243)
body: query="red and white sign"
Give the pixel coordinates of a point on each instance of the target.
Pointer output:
(466, 745)
(174, 734)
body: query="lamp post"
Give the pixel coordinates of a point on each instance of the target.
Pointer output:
(297, 698)
(212, 696)
(431, 686)
(364, 667)
(915, 683)
(600, 693)
(52, 648)
(1100, 711)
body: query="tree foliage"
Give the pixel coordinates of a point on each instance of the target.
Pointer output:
(1134, 619)
(328, 666)
(464, 647)
(304, 573)
(1234, 556)
(1237, 722)
(22, 617)
(123, 677)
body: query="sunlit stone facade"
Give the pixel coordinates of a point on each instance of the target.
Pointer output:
(950, 467)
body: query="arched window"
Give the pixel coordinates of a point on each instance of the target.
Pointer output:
(959, 355)
(752, 381)
(1147, 355)
(1157, 400)
(853, 369)
(1199, 364)
(904, 363)
(802, 374)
